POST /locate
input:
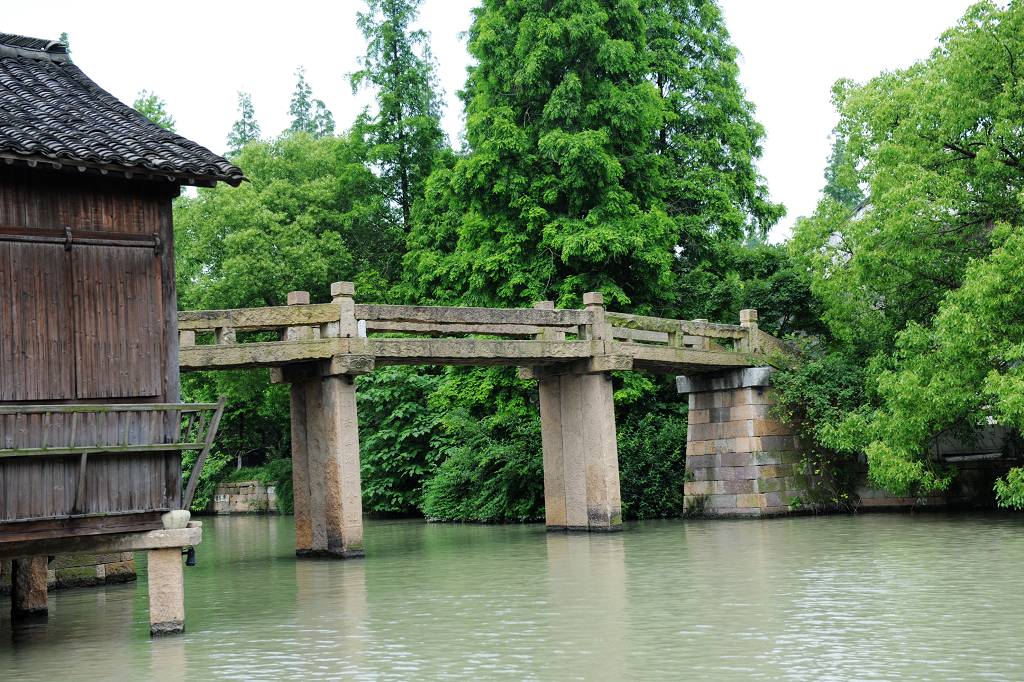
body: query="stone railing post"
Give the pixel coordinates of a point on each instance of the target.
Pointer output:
(748, 320)
(547, 334)
(343, 295)
(186, 338)
(297, 333)
(224, 335)
(598, 329)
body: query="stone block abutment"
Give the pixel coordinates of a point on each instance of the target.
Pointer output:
(740, 460)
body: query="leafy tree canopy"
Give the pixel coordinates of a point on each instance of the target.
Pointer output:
(923, 280)
(938, 149)
(309, 115)
(310, 214)
(582, 159)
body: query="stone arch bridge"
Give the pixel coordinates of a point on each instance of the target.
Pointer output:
(570, 353)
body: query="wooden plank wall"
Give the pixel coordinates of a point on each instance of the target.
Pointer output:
(49, 298)
(35, 315)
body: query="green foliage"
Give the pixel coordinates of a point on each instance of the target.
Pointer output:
(1010, 490)
(921, 283)
(752, 274)
(652, 463)
(397, 426)
(491, 467)
(404, 135)
(953, 375)
(309, 115)
(310, 214)
(708, 140)
(816, 394)
(154, 108)
(938, 146)
(246, 129)
(841, 180)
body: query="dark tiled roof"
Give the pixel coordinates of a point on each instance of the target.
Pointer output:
(51, 112)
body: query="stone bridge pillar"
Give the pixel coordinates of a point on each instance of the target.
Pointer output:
(325, 445)
(581, 458)
(577, 417)
(741, 460)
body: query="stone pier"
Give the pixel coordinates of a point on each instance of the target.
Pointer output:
(28, 587)
(166, 591)
(581, 459)
(741, 461)
(165, 579)
(577, 417)
(325, 440)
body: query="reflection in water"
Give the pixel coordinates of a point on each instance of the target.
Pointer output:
(802, 599)
(588, 597)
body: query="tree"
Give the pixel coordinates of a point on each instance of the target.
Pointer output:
(246, 129)
(309, 115)
(841, 182)
(154, 108)
(405, 132)
(557, 194)
(708, 140)
(918, 283)
(65, 40)
(602, 137)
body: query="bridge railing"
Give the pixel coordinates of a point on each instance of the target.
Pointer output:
(289, 333)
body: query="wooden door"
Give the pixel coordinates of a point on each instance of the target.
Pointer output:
(118, 318)
(36, 322)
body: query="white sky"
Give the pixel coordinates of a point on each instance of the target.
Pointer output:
(199, 54)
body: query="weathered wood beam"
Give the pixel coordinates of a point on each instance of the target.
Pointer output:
(118, 542)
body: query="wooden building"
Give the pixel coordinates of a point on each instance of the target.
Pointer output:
(91, 429)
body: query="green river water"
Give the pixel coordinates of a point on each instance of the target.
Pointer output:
(863, 597)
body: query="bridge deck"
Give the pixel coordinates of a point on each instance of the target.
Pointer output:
(344, 332)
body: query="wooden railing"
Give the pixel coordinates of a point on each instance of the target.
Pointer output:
(51, 430)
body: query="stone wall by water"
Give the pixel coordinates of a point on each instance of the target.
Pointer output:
(244, 497)
(978, 463)
(741, 461)
(80, 570)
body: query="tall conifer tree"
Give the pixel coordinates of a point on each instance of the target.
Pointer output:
(309, 115)
(405, 133)
(603, 136)
(246, 129)
(709, 140)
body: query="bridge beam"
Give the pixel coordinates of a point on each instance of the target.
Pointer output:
(740, 459)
